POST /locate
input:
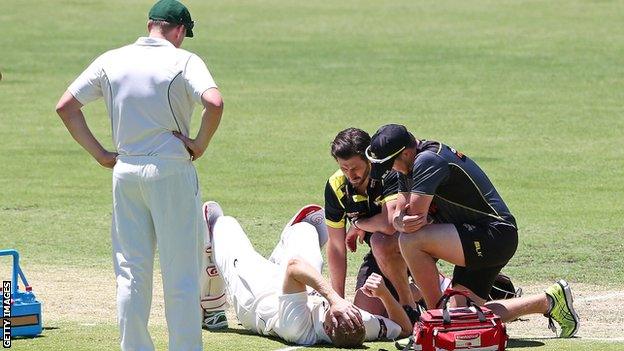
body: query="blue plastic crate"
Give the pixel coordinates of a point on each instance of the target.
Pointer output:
(26, 317)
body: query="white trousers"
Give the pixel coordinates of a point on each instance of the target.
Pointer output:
(156, 203)
(253, 283)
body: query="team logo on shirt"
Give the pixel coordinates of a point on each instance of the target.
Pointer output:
(378, 200)
(469, 227)
(459, 154)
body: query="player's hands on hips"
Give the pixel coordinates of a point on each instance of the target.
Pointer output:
(344, 312)
(353, 234)
(107, 159)
(375, 286)
(192, 146)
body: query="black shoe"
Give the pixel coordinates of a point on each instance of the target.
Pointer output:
(412, 314)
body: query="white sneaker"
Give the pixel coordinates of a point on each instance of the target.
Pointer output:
(312, 214)
(211, 210)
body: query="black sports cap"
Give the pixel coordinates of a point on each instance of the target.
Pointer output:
(386, 145)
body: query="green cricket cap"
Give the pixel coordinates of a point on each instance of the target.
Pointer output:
(173, 11)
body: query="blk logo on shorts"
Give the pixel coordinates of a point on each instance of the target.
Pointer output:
(478, 248)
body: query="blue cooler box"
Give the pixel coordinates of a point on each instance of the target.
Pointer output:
(25, 309)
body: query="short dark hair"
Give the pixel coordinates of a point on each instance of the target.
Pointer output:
(343, 336)
(350, 142)
(164, 26)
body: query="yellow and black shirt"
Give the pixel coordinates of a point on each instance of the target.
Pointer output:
(342, 202)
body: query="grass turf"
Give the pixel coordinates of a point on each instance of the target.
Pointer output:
(531, 90)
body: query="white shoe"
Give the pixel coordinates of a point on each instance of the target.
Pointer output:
(312, 214)
(211, 210)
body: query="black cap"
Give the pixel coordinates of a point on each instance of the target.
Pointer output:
(386, 145)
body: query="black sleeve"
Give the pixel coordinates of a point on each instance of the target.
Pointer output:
(428, 172)
(334, 212)
(403, 183)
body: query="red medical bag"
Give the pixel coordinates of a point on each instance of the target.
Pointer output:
(472, 328)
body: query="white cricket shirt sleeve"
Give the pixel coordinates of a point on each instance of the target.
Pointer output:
(88, 86)
(295, 322)
(197, 77)
(379, 328)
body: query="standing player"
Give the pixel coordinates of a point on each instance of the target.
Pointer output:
(448, 209)
(351, 196)
(150, 88)
(271, 298)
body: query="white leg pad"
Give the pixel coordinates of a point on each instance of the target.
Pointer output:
(213, 297)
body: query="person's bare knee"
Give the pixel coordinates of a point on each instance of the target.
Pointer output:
(384, 245)
(409, 242)
(426, 238)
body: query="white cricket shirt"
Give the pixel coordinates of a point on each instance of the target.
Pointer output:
(150, 88)
(301, 318)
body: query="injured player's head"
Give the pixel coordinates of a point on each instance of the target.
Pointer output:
(343, 336)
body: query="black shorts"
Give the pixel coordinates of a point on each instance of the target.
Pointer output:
(368, 267)
(487, 249)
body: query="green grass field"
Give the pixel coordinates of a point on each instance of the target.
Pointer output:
(532, 90)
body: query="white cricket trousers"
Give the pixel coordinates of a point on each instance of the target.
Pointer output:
(253, 283)
(156, 203)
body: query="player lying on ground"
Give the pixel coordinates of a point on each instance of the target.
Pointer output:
(274, 298)
(448, 209)
(213, 299)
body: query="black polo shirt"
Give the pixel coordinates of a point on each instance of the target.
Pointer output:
(462, 192)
